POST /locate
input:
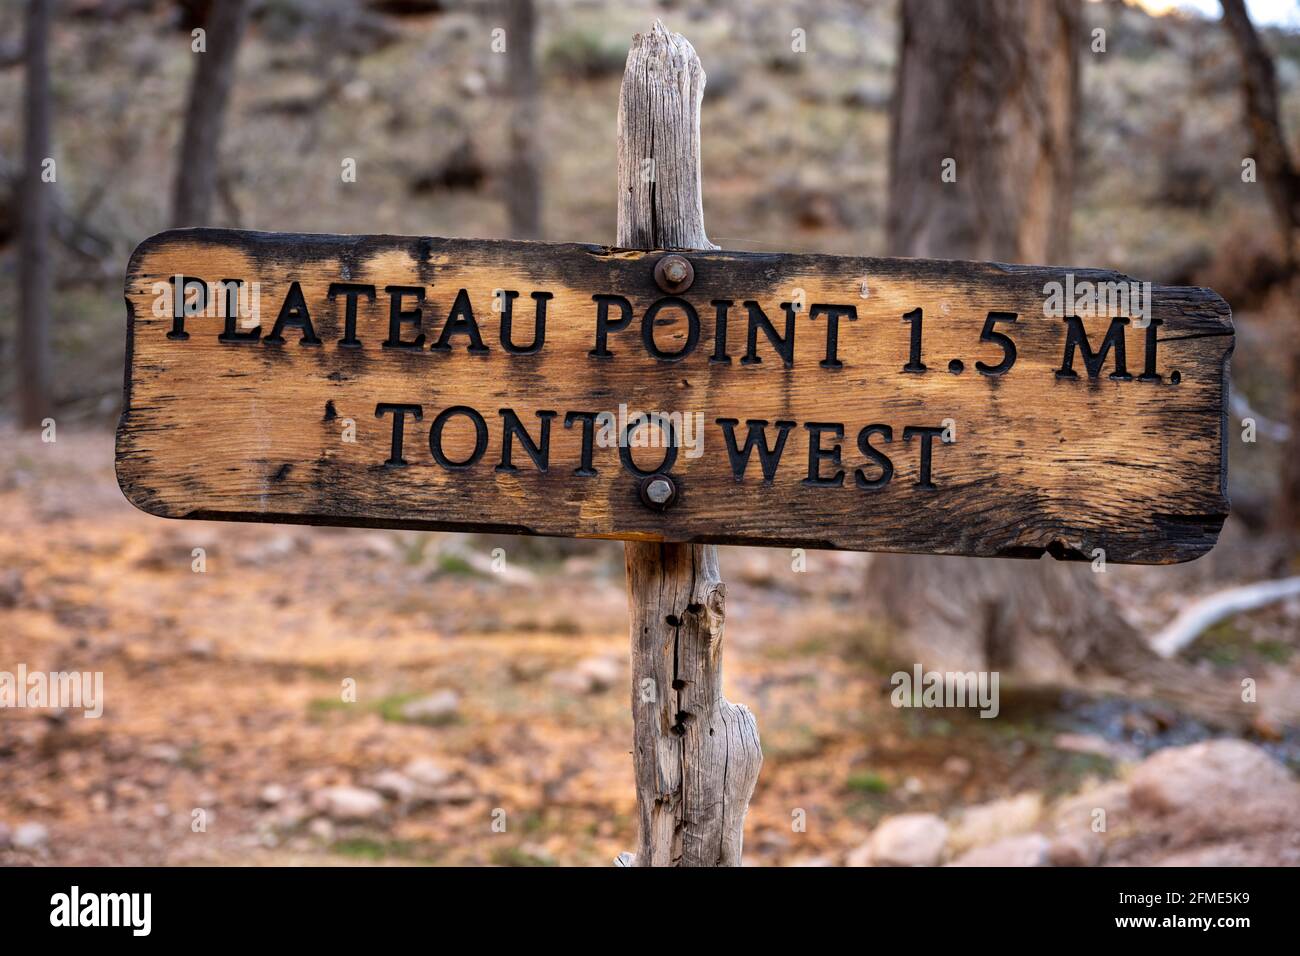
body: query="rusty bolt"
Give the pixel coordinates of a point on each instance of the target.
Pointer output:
(674, 274)
(675, 270)
(658, 492)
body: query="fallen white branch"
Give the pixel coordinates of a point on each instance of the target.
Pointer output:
(1270, 429)
(1192, 621)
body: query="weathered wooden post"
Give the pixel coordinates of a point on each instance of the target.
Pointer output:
(696, 755)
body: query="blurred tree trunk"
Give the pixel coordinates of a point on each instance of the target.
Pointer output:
(214, 73)
(1281, 179)
(1259, 87)
(34, 399)
(993, 86)
(523, 174)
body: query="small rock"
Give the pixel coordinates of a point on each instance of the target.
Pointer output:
(269, 550)
(440, 707)
(272, 794)
(571, 682)
(1236, 853)
(30, 836)
(348, 804)
(590, 676)
(426, 772)
(394, 785)
(462, 792)
(319, 779)
(957, 767)
(322, 830)
(538, 854)
(290, 815)
(1078, 813)
(201, 648)
(357, 91)
(604, 672)
(525, 669)
(1163, 717)
(473, 83)
(1222, 772)
(164, 753)
(1135, 722)
(1028, 849)
(11, 588)
(1265, 728)
(582, 566)
(871, 96)
(1075, 849)
(988, 822)
(909, 839)
(1095, 745)
(860, 856)
(753, 567)
(771, 841)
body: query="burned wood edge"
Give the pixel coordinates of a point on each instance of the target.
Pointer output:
(1188, 537)
(304, 248)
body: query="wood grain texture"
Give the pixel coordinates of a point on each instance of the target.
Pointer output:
(252, 431)
(696, 755)
(660, 202)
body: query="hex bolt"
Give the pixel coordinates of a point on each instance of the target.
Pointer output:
(674, 274)
(658, 492)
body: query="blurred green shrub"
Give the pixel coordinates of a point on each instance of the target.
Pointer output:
(585, 54)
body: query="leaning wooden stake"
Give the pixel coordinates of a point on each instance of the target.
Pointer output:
(696, 755)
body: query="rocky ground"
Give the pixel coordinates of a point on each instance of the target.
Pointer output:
(343, 696)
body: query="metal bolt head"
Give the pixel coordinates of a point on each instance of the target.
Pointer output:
(658, 492)
(674, 274)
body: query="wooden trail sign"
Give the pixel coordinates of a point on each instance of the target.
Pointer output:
(817, 401)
